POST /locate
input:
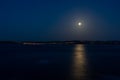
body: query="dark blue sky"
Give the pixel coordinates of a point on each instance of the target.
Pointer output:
(44, 20)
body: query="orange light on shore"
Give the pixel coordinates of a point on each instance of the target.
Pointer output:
(28, 43)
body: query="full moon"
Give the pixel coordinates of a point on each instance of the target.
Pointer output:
(79, 24)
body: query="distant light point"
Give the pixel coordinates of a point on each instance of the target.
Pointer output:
(79, 24)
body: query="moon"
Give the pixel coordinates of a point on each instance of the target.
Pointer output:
(79, 24)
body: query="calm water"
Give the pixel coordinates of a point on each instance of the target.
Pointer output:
(60, 62)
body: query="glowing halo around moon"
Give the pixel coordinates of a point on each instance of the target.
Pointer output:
(79, 24)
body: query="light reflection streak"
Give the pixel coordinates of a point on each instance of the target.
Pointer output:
(79, 66)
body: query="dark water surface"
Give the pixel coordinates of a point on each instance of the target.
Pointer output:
(59, 62)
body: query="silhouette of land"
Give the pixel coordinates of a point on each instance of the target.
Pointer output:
(60, 42)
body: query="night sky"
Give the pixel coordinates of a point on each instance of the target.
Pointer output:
(46, 20)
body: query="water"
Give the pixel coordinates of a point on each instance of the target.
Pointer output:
(59, 62)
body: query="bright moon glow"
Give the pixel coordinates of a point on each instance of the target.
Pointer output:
(79, 24)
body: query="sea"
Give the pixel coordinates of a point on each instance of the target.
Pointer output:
(59, 62)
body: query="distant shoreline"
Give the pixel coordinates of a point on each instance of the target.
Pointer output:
(60, 42)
